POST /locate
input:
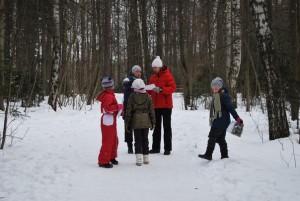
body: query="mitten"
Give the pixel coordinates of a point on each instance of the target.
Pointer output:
(240, 121)
(120, 106)
(153, 127)
(127, 129)
(157, 89)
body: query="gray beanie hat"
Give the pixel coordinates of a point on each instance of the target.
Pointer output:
(217, 82)
(107, 83)
(136, 68)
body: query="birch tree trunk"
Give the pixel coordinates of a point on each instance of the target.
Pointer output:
(1, 53)
(278, 125)
(213, 31)
(235, 52)
(55, 56)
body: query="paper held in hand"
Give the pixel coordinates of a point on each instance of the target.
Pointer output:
(150, 86)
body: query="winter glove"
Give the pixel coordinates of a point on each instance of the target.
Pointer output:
(157, 89)
(127, 129)
(120, 106)
(153, 127)
(239, 121)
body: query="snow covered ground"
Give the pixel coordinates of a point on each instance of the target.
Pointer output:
(57, 161)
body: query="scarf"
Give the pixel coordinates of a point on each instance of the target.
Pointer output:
(215, 108)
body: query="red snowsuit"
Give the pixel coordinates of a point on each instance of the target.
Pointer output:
(109, 108)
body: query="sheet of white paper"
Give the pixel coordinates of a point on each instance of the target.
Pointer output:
(150, 86)
(119, 113)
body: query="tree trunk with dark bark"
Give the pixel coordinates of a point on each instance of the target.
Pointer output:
(278, 125)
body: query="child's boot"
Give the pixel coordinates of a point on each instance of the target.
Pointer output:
(208, 153)
(139, 159)
(146, 159)
(224, 152)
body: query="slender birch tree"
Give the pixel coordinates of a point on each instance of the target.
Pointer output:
(55, 56)
(234, 28)
(278, 125)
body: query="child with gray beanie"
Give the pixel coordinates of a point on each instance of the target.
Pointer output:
(109, 109)
(219, 119)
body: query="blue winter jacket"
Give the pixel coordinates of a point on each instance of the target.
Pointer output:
(227, 109)
(127, 88)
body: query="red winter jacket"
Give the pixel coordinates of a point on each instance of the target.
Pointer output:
(164, 80)
(109, 104)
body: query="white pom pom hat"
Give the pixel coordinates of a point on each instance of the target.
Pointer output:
(157, 62)
(138, 84)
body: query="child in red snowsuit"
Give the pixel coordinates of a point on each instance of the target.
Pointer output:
(109, 108)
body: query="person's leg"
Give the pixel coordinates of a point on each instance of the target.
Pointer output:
(223, 144)
(145, 146)
(138, 146)
(157, 132)
(108, 139)
(167, 113)
(212, 139)
(145, 141)
(129, 139)
(114, 153)
(138, 141)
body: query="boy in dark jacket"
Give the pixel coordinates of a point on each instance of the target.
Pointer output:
(140, 117)
(220, 110)
(136, 72)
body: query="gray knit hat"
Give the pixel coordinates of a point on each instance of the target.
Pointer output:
(136, 68)
(217, 82)
(107, 83)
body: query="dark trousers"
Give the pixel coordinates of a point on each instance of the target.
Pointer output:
(128, 137)
(165, 115)
(217, 135)
(141, 143)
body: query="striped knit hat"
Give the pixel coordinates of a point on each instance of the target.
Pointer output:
(107, 83)
(217, 82)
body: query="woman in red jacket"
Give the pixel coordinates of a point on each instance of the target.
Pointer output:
(163, 104)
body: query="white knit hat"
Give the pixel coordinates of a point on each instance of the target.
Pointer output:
(138, 84)
(157, 62)
(136, 68)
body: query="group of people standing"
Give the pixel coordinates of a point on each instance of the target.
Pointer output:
(145, 109)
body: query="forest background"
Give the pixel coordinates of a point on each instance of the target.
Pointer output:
(61, 49)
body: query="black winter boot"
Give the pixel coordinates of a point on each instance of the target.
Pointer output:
(204, 156)
(208, 153)
(114, 161)
(108, 165)
(223, 150)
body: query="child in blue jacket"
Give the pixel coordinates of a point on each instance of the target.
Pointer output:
(220, 110)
